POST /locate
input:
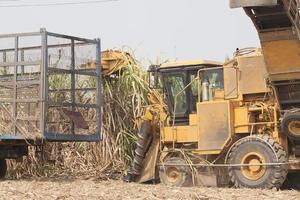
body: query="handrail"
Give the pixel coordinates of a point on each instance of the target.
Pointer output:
(293, 7)
(175, 100)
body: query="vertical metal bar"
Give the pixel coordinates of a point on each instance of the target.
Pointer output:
(43, 83)
(99, 87)
(4, 60)
(73, 82)
(27, 105)
(4, 56)
(22, 59)
(14, 96)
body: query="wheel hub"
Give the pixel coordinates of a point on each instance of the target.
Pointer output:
(254, 171)
(294, 128)
(173, 174)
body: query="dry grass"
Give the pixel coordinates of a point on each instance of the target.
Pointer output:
(111, 190)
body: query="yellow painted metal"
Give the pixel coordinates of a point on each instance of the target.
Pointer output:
(219, 94)
(252, 74)
(112, 61)
(231, 80)
(282, 59)
(254, 172)
(193, 120)
(207, 152)
(241, 117)
(180, 134)
(149, 163)
(190, 63)
(215, 124)
(244, 75)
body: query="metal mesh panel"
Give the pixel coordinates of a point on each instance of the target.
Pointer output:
(20, 75)
(46, 89)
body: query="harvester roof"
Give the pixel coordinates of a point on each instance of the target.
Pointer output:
(189, 63)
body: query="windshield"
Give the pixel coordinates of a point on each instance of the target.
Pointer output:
(175, 84)
(215, 78)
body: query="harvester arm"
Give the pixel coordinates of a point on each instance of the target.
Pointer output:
(112, 62)
(143, 167)
(147, 146)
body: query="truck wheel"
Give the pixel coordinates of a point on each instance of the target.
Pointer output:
(257, 150)
(3, 168)
(174, 173)
(291, 125)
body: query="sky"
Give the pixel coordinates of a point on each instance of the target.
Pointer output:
(155, 30)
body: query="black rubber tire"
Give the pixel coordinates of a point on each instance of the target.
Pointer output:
(143, 144)
(288, 118)
(272, 152)
(3, 168)
(185, 176)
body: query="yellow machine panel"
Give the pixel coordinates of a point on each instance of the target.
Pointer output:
(230, 80)
(180, 134)
(249, 81)
(241, 76)
(282, 65)
(281, 51)
(215, 126)
(219, 94)
(241, 118)
(193, 119)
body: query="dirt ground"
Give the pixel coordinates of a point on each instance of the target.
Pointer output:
(113, 190)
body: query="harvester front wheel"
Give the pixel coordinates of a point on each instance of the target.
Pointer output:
(175, 172)
(3, 168)
(255, 151)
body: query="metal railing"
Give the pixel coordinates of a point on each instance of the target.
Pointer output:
(293, 9)
(43, 95)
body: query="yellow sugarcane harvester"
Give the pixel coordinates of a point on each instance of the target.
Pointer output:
(236, 122)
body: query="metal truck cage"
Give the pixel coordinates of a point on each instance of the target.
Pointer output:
(47, 92)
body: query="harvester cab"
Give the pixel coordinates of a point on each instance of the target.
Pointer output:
(186, 83)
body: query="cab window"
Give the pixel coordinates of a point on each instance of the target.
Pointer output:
(215, 78)
(196, 83)
(175, 83)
